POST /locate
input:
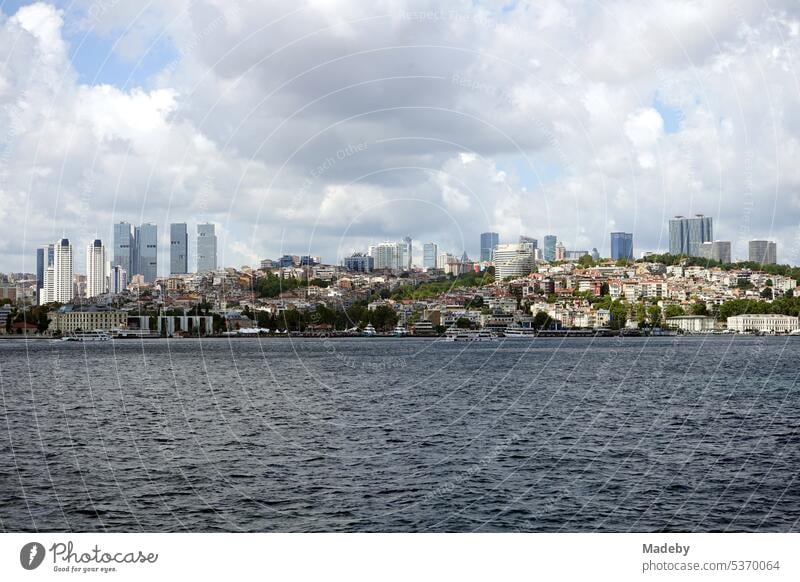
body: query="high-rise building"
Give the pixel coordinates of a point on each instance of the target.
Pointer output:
(429, 252)
(489, 240)
(206, 248)
(622, 246)
(46, 296)
(388, 255)
(62, 271)
(764, 252)
(529, 239)
(123, 247)
(718, 250)
(44, 259)
(550, 247)
(118, 280)
(178, 248)
(95, 268)
(359, 262)
(513, 260)
(146, 255)
(561, 251)
(407, 253)
(687, 234)
(595, 254)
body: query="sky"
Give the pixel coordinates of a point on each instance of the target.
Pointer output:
(326, 126)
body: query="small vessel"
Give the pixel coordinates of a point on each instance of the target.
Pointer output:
(86, 336)
(399, 331)
(468, 335)
(369, 330)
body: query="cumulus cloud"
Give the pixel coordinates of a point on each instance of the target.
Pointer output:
(323, 128)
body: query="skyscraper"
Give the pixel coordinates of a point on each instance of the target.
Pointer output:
(622, 246)
(550, 247)
(407, 253)
(388, 255)
(123, 246)
(206, 248)
(118, 280)
(429, 252)
(489, 240)
(687, 234)
(178, 245)
(513, 260)
(719, 250)
(44, 259)
(95, 268)
(62, 271)
(764, 252)
(146, 255)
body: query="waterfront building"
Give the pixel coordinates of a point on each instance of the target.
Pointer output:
(62, 271)
(359, 262)
(71, 318)
(764, 252)
(513, 260)
(95, 268)
(622, 246)
(719, 250)
(146, 251)
(489, 240)
(178, 248)
(687, 234)
(550, 247)
(429, 252)
(763, 323)
(692, 323)
(123, 246)
(206, 248)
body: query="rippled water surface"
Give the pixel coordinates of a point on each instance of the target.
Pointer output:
(685, 434)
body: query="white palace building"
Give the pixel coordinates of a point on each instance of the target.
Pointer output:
(763, 322)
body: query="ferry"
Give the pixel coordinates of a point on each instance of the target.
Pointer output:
(520, 333)
(466, 335)
(86, 336)
(369, 330)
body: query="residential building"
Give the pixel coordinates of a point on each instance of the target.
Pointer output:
(489, 240)
(550, 247)
(62, 271)
(763, 323)
(686, 234)
(388, 255)
(123, 247)
(561, 252)
(206, 248)
(429, 252)
(513, 260)
(146, 251)
(95, 268)
(764, 252)
(359, 262)
(178, 248)
(622, 246)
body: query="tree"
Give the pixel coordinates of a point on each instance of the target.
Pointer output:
(673, 311)
(654, 315)
(541, 320)
(767, 293)
(604, 289)
(463, 323)
(383, 318)
(586, 261)
(699, 308)
(619, 314)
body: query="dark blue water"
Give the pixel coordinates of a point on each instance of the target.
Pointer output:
(670, 434)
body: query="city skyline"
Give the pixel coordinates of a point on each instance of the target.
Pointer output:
(576, 170)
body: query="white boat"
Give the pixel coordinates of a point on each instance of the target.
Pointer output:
(467, 335)
(400, 331)
(87, 336)
(520, 333)
(369, 330)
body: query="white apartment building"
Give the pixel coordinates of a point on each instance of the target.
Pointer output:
(763, 322)
(95, 269)
(513, 260)
(62, 271)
